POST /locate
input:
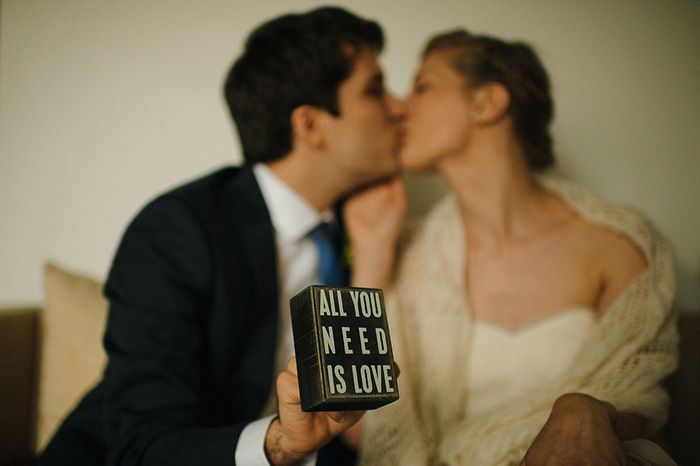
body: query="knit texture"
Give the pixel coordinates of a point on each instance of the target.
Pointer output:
(623, 360)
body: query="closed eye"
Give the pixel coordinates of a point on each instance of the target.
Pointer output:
(419, 88)
(375, 91)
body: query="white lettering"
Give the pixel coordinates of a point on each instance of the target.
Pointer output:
(354, 380)
(365, 304)
(388, 378)
(377, 373)
(366, 379)
(331, 385)
(354, 295)
(363, 340)
(328, 340)
(325, 310)
(376, 305)
(382, 347)
(339, 372)
(341, 311)
(346, 340)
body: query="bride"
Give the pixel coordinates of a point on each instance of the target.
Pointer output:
(532, 321)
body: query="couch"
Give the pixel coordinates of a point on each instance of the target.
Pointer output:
(51, 355)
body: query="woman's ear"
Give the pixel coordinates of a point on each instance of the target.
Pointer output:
(492, 102)
(306, 127)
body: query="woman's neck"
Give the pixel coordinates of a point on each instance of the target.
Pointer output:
(499, 200)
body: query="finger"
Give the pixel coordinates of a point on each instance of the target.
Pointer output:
(354, 416)
(288, 387)
(292, 366)
(396, 183)
(337, 416)
(346, 417)
(399, 187)
(397, 369)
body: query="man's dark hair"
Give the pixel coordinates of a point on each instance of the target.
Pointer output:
(293, 60)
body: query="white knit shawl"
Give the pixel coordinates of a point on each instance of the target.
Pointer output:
(623, 359)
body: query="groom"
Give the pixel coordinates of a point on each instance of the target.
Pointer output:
(198, 324)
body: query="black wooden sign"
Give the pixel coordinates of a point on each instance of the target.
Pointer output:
(343, 349)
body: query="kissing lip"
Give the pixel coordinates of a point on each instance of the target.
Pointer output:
(401, 135)
(400, 140)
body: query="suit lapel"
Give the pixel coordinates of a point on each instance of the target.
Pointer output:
(247, 220)
(252, 277)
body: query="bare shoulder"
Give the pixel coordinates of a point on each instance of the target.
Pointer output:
(617, 258)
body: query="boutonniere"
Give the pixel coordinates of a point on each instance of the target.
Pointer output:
(347, 252)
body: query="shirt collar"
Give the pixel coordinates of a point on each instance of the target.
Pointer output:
(292, 216)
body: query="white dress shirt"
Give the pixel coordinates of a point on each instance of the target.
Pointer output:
(297, 267)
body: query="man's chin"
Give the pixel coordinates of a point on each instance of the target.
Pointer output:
(375, 179)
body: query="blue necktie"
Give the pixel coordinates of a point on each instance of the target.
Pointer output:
(331, 271)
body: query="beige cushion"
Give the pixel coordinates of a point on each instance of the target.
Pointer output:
(72, 358)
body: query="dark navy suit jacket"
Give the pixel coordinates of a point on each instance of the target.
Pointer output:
(191, 332)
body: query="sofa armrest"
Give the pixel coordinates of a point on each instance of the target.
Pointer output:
(19, 332)
(683, 428)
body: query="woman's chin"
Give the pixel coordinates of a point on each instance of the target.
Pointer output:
(412, 164)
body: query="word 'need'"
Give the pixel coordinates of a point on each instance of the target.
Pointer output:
(381, 345)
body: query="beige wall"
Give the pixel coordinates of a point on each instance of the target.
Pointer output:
(104, 104)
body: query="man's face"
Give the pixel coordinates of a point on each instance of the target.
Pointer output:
(364, 139)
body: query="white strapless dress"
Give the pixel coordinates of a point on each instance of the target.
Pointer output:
(506, 363)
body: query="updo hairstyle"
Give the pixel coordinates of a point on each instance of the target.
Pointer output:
(482, 60)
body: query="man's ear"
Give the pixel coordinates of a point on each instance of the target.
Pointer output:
(306, 125)
(492, 102)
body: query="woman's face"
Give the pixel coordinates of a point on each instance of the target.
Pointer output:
(437, 124)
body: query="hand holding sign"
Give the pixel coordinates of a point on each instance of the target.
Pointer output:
(343, 349)
(294, 434)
